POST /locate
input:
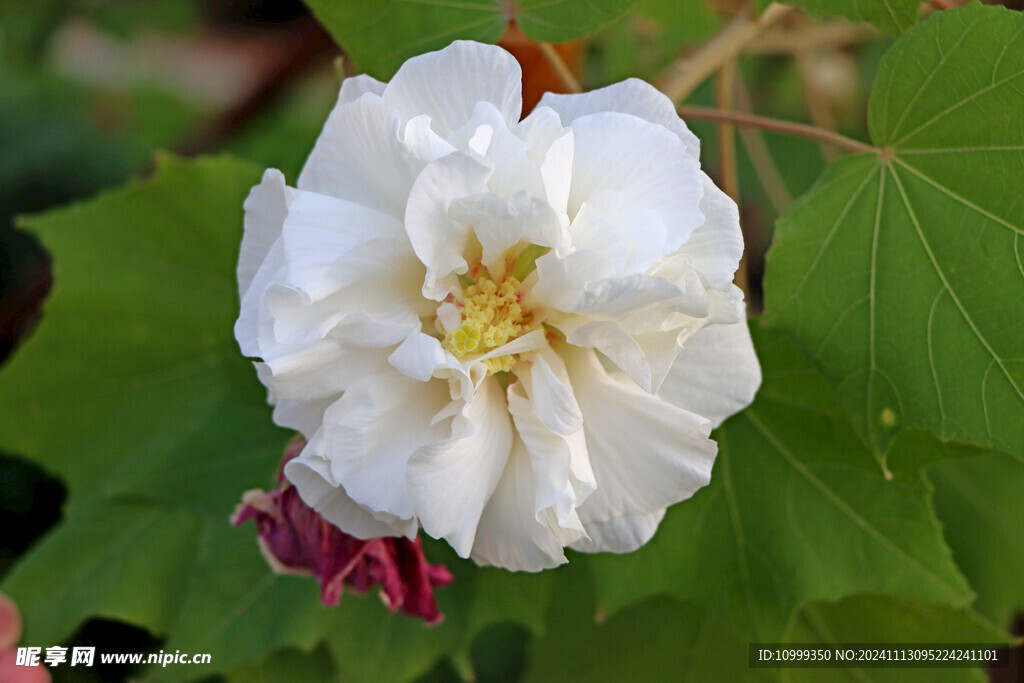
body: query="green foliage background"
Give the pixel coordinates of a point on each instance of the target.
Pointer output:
(873, 491)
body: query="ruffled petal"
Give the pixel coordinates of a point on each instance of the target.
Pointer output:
(500, 225)
(714, 249)
(254, 328)
(620, 535)
(312, 478)
(266, 208)
(322, 236)
(717, 373)
(451, 482)
(354, 87)
(447, 84)
(645, 162)
(549, 424)
(646, 453)
(509, 534)
(318, 370)
(439, 240)
(631, 96)
(584, 282)
(631, 239)
(370, 433)
(360, 157)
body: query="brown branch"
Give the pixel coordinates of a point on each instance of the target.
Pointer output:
(681, 78)
(808, 37)
(786, 127)
(760, 156)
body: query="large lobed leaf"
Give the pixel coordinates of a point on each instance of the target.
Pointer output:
(902, 273)
(379, 36)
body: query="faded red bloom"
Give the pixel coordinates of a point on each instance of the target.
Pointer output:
(295, 539)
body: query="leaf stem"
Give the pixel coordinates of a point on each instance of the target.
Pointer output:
(560, 68)
(786, 127)
(681, 78)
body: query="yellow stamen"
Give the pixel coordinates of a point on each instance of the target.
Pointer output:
(491, 317)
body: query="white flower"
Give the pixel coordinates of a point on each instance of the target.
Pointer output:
(516, 335)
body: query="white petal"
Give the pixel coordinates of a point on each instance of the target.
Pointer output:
(320, 233)
(315, 371)
(716, 374)
(354, 87)
(556, 405)
(422, 142)
(487, 133)
(451, 482)
(584, 282)
(551, 149)
(646, 453)
(438, 240)
(359, 157)
(645, 162)
(447, 84)
(265, 210)
(623, 350)
(500, 224)
(379, 303)
(620, 535)
(714, 249)
(250, 326)
(631, 96)
(305, 417)
(560, 464)
(509, 534)
(630, 238)
(370, 433)
(311, 477)
(418, 356)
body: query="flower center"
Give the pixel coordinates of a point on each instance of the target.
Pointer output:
(491, 317)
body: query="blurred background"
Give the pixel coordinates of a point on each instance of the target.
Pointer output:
(90, 90)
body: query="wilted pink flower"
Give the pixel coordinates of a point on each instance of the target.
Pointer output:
(295, 539)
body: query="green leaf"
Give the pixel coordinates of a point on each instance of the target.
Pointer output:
(892, 16)
(656, 639)
(134, 393)
(979, 503)
(286, 666)
(119, 560)
(902, 274)
(380, 36)
(885, 619)
(133, 383)
(796, 510)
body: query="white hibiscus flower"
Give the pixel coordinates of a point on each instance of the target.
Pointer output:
(516, 335)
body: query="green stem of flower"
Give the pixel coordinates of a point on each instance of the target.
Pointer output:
(785, 127)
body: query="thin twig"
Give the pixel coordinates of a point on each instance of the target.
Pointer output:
(786, 127)
(681, 78)
(560, 68)
(761, 156)
(808, 36)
